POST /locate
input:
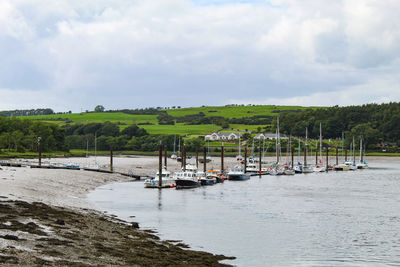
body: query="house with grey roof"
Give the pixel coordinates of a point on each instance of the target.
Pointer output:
(222, 136)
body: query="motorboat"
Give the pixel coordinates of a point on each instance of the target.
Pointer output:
(186, 179)
(237, 174)
(206, 179)
(166, 180)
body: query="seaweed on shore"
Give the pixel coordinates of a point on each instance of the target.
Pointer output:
(39, 234)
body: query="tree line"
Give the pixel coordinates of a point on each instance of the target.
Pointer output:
(22, 135)
(373, 122)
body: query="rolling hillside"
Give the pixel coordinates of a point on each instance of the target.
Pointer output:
(150, 122)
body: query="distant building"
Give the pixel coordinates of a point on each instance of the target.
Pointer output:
(269, 136)
(222, 136)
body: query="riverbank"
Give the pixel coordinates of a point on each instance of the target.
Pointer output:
(229, 152)
(47, 219)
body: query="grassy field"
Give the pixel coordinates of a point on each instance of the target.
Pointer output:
(233, 112)
(181, 129)
(124, 120)
(97, 117)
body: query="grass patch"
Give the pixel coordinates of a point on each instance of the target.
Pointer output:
(234, 112)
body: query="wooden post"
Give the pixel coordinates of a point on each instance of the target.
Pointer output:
(345, 155)
(184, 157)
(305, 156)
(222, 159)
(316, 156)
(292, 157)
(197, 157)
(40, 156)
(337, 156)
(165, 156)
(245, 159)
(39, 151)
(204, 158)
(327, 158)
(111, 159)
(160, 166)
(259, 162)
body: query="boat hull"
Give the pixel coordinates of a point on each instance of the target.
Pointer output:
(152, 183)
(238, 177)
(184, 184)
(208, 181)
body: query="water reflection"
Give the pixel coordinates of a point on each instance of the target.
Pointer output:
(160, 199)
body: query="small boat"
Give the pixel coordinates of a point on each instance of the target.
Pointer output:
(187, 178)
(206, 179)
(308, 168)
(289, 171)
(166, 180)
(319, 168)
(362, 165)
(276, 170)
(351, 165)
(252, 168)
(341, 167)
(237, 174)
(298, 168)
(174, 156)
(216, 174)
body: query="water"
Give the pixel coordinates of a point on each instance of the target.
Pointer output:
(334, 219)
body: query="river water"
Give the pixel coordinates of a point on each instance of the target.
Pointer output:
(324, 219)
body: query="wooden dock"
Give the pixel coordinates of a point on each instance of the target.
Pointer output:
(36, 166)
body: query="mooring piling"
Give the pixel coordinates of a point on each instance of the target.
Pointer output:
(204, 160)
(245, 159)
(111, 159)
(222, 159)
(160, 166)
(259, 162)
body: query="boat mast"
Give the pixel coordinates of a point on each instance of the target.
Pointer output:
(179, 145)
(278, 142)
(354, 153)
(298, 153)
(320, 142)
(174, 142)
(342, 144)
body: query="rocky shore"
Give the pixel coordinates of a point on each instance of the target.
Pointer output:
(45, 219)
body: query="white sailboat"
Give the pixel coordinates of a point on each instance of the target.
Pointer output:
(174, 156)
(319, 167)
(307, 168)
(362, 164)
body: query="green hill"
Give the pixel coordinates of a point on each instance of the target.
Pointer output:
(150, 122)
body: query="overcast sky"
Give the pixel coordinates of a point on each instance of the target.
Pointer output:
(75, 54)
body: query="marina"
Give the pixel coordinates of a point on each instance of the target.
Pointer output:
(322, 219)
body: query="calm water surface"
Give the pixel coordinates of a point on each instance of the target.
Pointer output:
(334, 219)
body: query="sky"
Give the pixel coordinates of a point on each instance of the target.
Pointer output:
(74, 55)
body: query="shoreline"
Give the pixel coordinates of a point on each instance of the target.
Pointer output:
(47, 219)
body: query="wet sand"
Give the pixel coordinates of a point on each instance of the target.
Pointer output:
(45, 219)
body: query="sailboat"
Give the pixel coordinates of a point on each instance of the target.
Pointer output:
(363, 164)
(298, 168)
(307, 168)
(288, 169)
(179, 157)
(276, 169)
(319, 167)
(174, 156)
(239, 156)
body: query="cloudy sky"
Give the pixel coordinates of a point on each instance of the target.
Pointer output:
(75, 54)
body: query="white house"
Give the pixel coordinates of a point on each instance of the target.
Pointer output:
(269, 136)
(222, 136)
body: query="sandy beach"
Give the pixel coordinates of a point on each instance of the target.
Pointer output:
(46, 219)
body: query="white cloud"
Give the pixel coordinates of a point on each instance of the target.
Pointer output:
(177, 52)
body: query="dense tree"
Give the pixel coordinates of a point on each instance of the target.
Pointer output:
(99, 108)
